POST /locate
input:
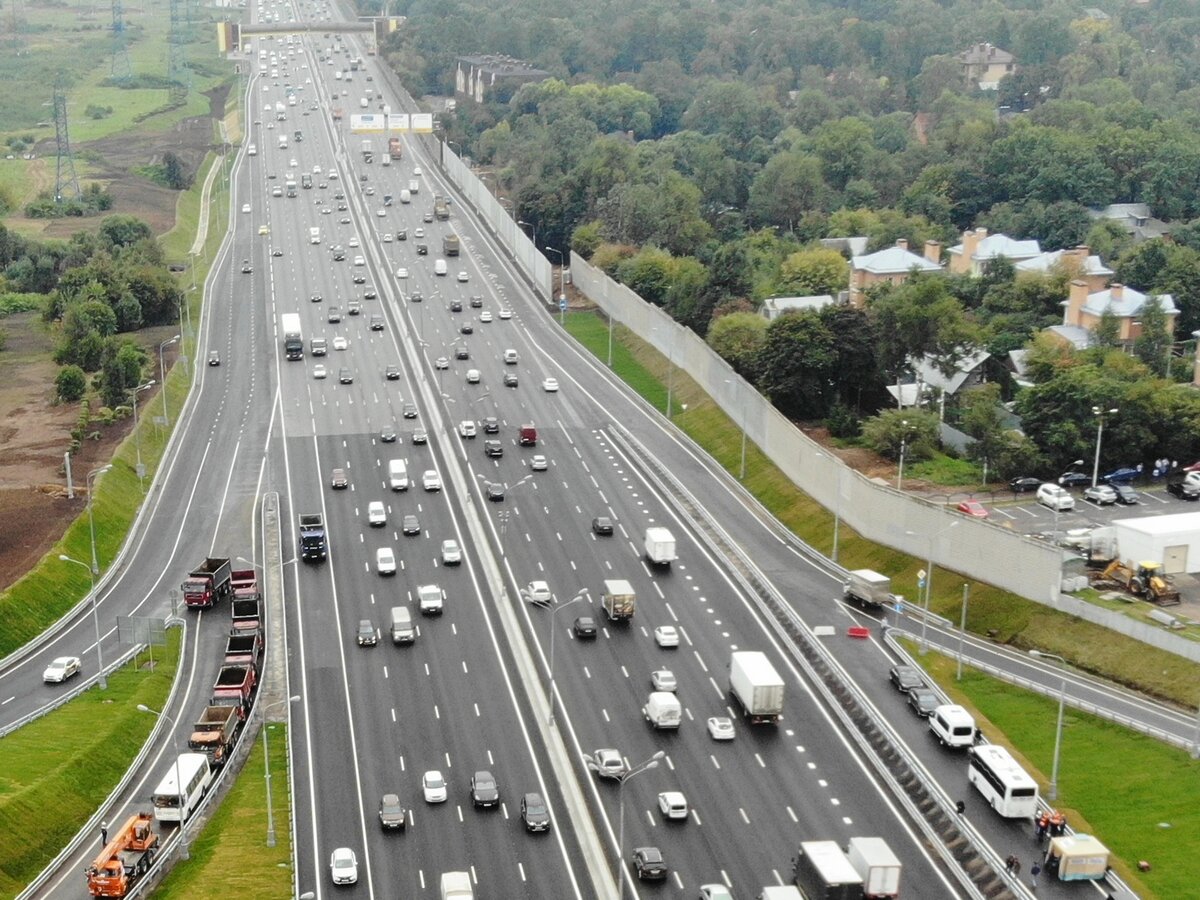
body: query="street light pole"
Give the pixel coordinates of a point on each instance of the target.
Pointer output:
(929, 582)
(1052, 790)
(102, 680)
(137, 438)
(903, 444)
(182, 797)
(162, 376)
(1099, 414)
(267, 767)
(562, 293)
(554, 612)
(532, 227)
(632, 772)
(962, 628)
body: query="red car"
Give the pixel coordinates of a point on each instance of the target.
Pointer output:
(973, 508)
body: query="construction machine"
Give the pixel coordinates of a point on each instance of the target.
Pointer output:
(124, 859)
(1145, 579)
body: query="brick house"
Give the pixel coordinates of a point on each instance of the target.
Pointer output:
(1077, 262)
(984, 65)
(978, 248)
(1083, 309)
(892, 266)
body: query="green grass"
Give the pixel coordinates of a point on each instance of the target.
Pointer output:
(1140, 797)
(230, 857)
(945, 470)
(56, 771)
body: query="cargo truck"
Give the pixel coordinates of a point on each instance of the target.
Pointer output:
(441, 209)
(450, 245)
(244, 647)
(215, 733)
(337, 114)
(756, 686)
(395, 148)
(867, 588)
(293, 340)
(124, 860)
(207, 583)
(247, 615)
(619, 601)
(1076, 857)
(780, 892)
(314, 235)
(414, 186)
(234, 685)
(822, 872)
(368, 151)
(245, 584)
(312, 536)
(659, 546)
(876, 865)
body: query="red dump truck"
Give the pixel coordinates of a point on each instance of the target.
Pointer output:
(235, 686)
(247, 616)
(215, 733)
(395, 148)
(245, 585)
(207, 583)
(244, 648)
(337, 114)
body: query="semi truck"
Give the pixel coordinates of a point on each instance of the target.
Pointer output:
(659, 546)
(867, 588)
(450, 245)
(876, 865)
(244, 647)
(312, 536)
(207, 583)
(235, 686)
(756, 686)
(441, 209)
(822, 872)
(293, 340)
(245, 584)
(216, 732)
(125, 859)
(395, 148)
(619, 601)
(247, 615)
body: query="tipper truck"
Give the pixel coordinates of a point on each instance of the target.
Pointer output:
(207, 583)
(312, 536)
(247, 616)
(234, 683)
(124, 860)
(659, 546)
(756, 686)
(441, 209)
(293, 340)
(395, 148)
(619, 601)
(822, 872)
(215, 733)
(867, 588)
(450, 245)
(876, 865)
(244, 648)
(245, 584)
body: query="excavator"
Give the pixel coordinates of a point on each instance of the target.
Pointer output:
(1145, 579)
(124, 859)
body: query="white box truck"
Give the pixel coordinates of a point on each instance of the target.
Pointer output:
(619, 601)
(867, 588)
(659, 546)
(314, 235)
(822, 872)
(662, 710)
(457, 886)
(756, 686)
(780, 892)
(876, 865)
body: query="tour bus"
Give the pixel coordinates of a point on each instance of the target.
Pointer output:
(1004, 784)
(192, 771)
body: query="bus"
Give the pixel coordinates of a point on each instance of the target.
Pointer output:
(1005, 785)
(193, 772)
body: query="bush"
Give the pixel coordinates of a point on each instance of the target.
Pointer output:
(843, 422)
(915, 429)
(70, 384)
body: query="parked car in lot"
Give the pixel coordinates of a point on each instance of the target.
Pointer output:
(1025, 484)
(1055, 497)
(1074, 479)
(1122, 475)
(973, 508)
(1184, 490)
(1100, 494)
(1126, 495)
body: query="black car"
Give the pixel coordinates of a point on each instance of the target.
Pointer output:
(462, 353)
(476, 302)
(455, 306)
(493, 449)
(388, 435)
(315, 298)
(484, 789)
(410, 410)
(339, 255)
(924, 701)
(491, 425)
(1184, 490)
(416, 296)
(402, 234)
(649, 863)
(420, 436)
(370, 294)
(246, 267)
(585, 628)
(359, 278)
(906, 678)
(1025, 484)
(345, 375)
(467, 328)
(391, 813)
(1126, 495)
(510, 379)
(1074, 479)
(335, 315)
(602, 525)
(534, 813)
(411, 525)
(376, 322)
(392, 373)
(495, 491)
(422, 249)
(366, 634)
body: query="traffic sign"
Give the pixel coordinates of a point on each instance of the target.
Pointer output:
(562, 304)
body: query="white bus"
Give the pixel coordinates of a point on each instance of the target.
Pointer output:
(194, 774)
(1005, 785)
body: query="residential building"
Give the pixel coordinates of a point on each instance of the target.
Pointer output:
(774, 307)
(1135, 218)
(978, 248)
(1084, 308)
(1077, 262)
(892, 266)
(478, 77)
(930, 381)
(984, 66)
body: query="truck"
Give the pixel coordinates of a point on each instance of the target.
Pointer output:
(457, 886)
(822, 872)
(659, 546)
(528, 436)
(367, 151)
(405, 196)
(312, 536)
(395, 148)
(235, 685)
(125, 859)
(450, 245)
(876, 865)
(441, 209)
(246, 615)
(293, 340)
(780, 892)
(207, 583)
(314, 235)
(337, 114)
(867, 588)
(662, 710)
(1076, 857)
(619, 600)
(354, 64)
(756, 686)
(280, 111)
(243, 646)
(215, 733)
(245, 584)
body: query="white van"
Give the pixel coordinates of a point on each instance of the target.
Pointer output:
(952, 726)
(405, 194)
(457, 886)
(439, 267)
(403, 631)
(252, 150)
(338, 75)
(662, 710)
(398, 475)
(283, 142)
(376, 514)
(362, 102)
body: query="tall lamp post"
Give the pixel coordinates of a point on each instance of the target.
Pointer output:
(101, 680)
(929, 581)
(1099, 413)
(562, 291)
(837, 504)
(182, 797)
(745, 406)
(631, 772)
(137, 439)
(533, 228)
(162, 376)
(1054, 534)
(554, 611)
(903, 447)
(1052, 790)
(670, 371)
(267, 767)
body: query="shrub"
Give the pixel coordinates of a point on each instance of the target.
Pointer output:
(70, 384)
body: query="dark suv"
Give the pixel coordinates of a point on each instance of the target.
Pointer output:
(534, 813)
(391, 813)
(649, 863)
(484, 790)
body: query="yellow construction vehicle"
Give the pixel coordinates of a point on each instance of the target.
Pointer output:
(1145, 579)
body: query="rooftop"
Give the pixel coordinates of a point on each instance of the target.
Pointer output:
(893, 260)
(1124, 301)
(1045, 262)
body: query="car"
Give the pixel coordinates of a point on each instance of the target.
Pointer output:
(608, 763)
(462, 353)
(1126, 495)
(325, 210)
(473, 376)
(720, 728)
(924, 701)
(276, 191)
(491, 425)
(431, 600)
(476, 301)
(649, 864)
(409, 410)
(402, 234)
(61, 669)
(417, 173)
(319, 371)
(510, 379)
(376, 514)
(466, 328)
(385, 561)
(334, 315)
(538, 463)
(427, 217)
(433, 786)
(292, 163)
(1122, 475)
(381, 212)
(1055, 497)
(431, 480)
(345, 375)
(214, 358)
(419, 232)
(441, 363)
(366, 635)
(387, 435)
(505, 312)
(338, 480)
(370, 294)
(538, 592)
(340, 343)
(315, 298)
(422, 249)
(484, 789)
(339, 255)
(666, 636)
(391, 813)
(246, 267)
(534, 813)
(493, 449)
(973, 508)
(245, 207)
(343, 866)
(1191, 478)
(511, 358)
(402, 272)
(1074, 479)
(1100, 494)
(455, 306)
(1184, 490)
(602, 525)
(392, 372)
(358, 278)
(420, 436)
(410, 525)
(359, 260)
(715, 892)
(451, 552)
(276, 251)
(466, 428)
(494, 491)
(376, 322)
(369, 191)
(905, 678)
(415, 296)
(673, 805)
(463, 277)
(387, 237)
(550, 385)
(663, 680)
(485, 316)
(585, 628)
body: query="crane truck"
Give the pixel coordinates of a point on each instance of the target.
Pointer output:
(207, 583)
(123, 861)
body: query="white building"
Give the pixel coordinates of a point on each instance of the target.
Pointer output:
(1173, 541)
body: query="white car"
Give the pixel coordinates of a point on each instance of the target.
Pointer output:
(473, 376)
(715, 892)
(431, 480)
(319, 371)
(420, 232)
(292, 163)
(451, 552)
(340, 343)
(353, 242)
(666, 636)
(402, 272)
(343, 866)
(376, 514)
(539, 592)
(466, 428)
(385, 561)
(245, 207)
(609, 763)
(433, 785)
(387, 237)
(720, 728)
(485, 316)
(463, 277)
(381, 212)
(550, 385)
(673, 805)
(1056, 497)
(505, 312)
(359, 261)
(417, 172)
(61, 669)
(538, 463)
(663, 680)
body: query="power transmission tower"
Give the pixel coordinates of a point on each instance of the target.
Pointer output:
(177, 74)
(120, 60)
(66, 185)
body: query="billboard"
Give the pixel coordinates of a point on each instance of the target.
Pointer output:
(367, 123)
(422, 123)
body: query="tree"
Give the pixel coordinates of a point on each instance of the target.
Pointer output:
(1141, 266)
(982, 420)
(917, 320)
(586, 238)
(1153, 345)
(914, 429)
(816, 271)
(1107, 333)
(120, 370)
(123, 231)
(797, 363)
(843, 147)
(688, 299)
(70, 384)
(856, 375)
(789, 185)
(738, 338)
(647, 274)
